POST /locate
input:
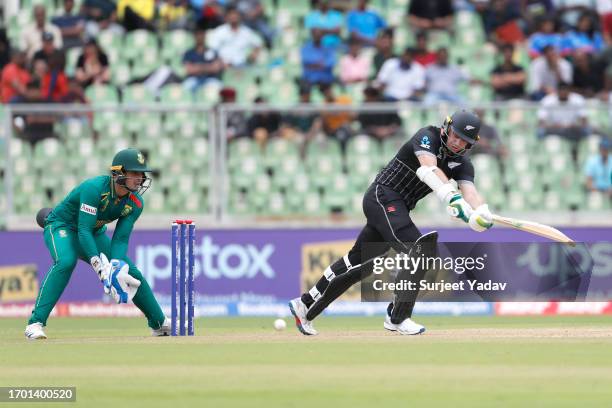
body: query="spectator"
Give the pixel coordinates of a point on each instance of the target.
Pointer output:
(202, 64)
(14, 79)
(72, 26)
(136, 14)
(327, 20)
(443, 80)
(354, 66)
(47, 50)
(263, 125)
(588, 76)
(402, 78)
(507, 78)
(563, 114)
(569, 11)
(501, 22)
(210, 13)
(585, 38)
(379, 125)
(364, 24)
(546, 35)
(430, 14)
(598, 170)
(318, 61)
(92, 65)
(546, 72)
(534, 10)
(236, 44)
(174, 15)
(31, 37)
(236, 124)
(5, 49)
(384, 49)
(254, 17)
(54, 84)
(604, 10)
(337, 124)
(422, 55)
(489, 142)
(101, 17)
(299, 123)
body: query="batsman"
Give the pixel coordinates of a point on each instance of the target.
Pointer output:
(424, 164)
(76, 229)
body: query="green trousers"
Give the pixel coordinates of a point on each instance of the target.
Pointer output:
(63, 244)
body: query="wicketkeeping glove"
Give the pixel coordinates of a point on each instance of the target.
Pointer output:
(101, 265)
(459, 208)
(481, 219)
(120, 284)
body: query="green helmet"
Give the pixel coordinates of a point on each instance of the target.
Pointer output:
(130, 160)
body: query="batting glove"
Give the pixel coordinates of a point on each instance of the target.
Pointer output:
(481, 219)
(121, 286)
(459, 208)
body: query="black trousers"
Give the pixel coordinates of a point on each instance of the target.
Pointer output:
(388, 221)
(388, 224)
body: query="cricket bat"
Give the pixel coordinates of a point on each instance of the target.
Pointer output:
(534, 228)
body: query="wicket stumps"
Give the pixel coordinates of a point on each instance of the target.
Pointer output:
(182, 313)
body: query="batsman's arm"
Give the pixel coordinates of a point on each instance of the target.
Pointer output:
(123, 230)
(430, 174)
(471, 194)
(481, 219)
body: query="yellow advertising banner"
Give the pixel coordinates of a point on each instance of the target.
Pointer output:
(318, 256)
(18, 283)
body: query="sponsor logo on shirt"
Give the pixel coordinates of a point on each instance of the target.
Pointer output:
(452, 165)
(63, 233)
(89, 209)
(425, 143)
(391, 208)
(126, 210)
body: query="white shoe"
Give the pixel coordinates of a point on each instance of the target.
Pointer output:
(299, 310)
(35, 331)
(406, 327)
(164, 330)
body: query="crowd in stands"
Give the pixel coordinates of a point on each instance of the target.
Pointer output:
(568, 44)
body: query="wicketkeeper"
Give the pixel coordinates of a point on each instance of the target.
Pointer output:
(76, 229)
(426, 163)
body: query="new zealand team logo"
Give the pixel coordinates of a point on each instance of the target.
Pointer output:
(425, 143)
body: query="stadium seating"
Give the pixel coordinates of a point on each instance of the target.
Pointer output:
(283, 177)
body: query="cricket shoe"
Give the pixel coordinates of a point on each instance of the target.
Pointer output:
(164, 330)
(35, 331)
(299, 310)
(406, 327)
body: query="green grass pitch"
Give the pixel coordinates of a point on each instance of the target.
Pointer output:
(243, 362)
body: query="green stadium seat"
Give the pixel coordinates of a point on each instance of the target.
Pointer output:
(279, 149)
(121, 74)
(137, 94)
(245, 173)
(338, 192)
(139, 43)
(174, 44)
(242, 148)
(102, 94)
(323, 168)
